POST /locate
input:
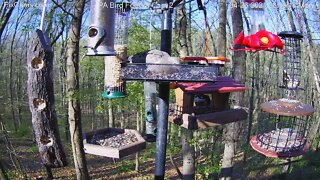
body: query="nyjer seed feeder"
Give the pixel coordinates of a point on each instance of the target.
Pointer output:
(101, 28)
(284, 132)
(115, 87)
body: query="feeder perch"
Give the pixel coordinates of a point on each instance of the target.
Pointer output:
(292, 63)
(284, 133)
(113, 142)
(101, 28)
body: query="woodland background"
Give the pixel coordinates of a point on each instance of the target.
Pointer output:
(261, 74)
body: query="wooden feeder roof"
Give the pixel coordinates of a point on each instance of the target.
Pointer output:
(287, 107)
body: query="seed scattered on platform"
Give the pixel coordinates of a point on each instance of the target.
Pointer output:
(114, 139)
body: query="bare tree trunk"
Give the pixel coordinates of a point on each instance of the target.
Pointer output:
(181, 30)
(5, 14)
(3, 173)
(290, 17)
(239, 74)
(316, 76)
(139, 130)
(222, 33)
(110, 113)
(12, 153)
(189, 168)
(189, 32)
(74, 110)
(188, 150)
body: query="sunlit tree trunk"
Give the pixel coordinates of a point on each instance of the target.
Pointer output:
(74, 110)
(239, 74)
(315, 72)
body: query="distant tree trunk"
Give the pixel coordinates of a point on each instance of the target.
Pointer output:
(11, 85)
(3, 173)
(222, 33)
(42, 102)
(188, 155)
(139, 130)
(5, 13)
(188, 150)
(74, 110)
(110, 113)
(316, 75)
(189, 32)
(239, 72)
(181, 30)
(11, 151)
(290, 17)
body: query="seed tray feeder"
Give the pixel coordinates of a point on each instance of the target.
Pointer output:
(113, 142)
(169, 72)
(284, 133)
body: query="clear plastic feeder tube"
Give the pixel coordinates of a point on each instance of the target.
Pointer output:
(115, 87)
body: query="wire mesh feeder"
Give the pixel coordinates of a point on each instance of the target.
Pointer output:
(115, 87)
(113, 142)
(292, 63)
(284, 132)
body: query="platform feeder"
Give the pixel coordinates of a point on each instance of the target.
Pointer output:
(283, 133)
(291, 72)
(115, 87)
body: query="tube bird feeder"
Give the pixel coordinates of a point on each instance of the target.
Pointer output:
(115, 87)
(101, 28)
(291, 63)
(284, 131)
(256, 14)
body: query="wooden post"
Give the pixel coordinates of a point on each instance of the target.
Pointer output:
(42, 102)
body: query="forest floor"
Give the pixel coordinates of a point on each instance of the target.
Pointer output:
(257, 167)
(99, 167)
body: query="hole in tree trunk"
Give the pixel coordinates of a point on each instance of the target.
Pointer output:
(46, 140)
(39, 104)
(37, 63)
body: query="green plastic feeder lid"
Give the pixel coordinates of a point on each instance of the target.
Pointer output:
(114, 95)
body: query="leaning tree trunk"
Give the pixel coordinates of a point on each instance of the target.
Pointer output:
(42, 102)
(73, 86)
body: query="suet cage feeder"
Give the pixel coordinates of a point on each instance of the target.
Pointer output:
(101, 28)
(115, 87)
(291, 72)
(284, 131)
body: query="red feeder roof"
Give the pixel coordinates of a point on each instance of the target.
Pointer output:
(222, 85)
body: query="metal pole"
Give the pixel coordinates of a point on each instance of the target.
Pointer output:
(164, 90)
(150, 99)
